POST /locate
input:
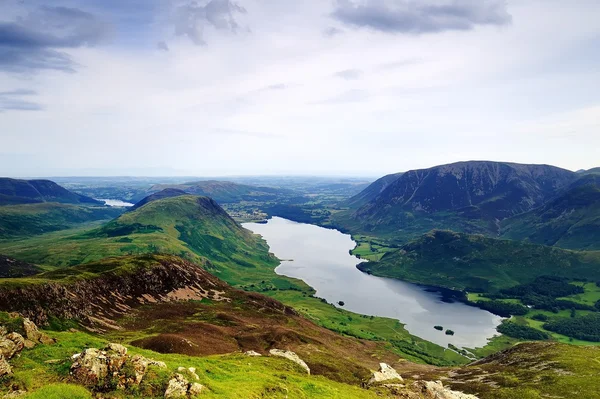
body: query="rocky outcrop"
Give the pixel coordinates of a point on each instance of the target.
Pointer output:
(252, 354)
(13, 342)
(386, 373)
(290, 356)
(110, 366)
(97, 301)
(180, 387)
(436, 390)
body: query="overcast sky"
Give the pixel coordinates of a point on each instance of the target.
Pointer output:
(340, 87)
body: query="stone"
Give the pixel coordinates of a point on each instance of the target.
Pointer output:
(196, 389)
(5, 368)
(90, 367)
(34, 335)
(118, 348)
(290, 356)
(436, 390)
(14, 394)
(18, 340)
(252, 353)
(385, 373)
(177, 387)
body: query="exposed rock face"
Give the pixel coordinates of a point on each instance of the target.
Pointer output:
(180, 387)
(97, 368)
(291, 356)
(435, 390)
(385, 373)
(96, 302)
(11, 344)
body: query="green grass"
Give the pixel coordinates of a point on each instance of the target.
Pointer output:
(226, 376)
(33, 219)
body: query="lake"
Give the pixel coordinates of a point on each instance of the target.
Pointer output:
(321, 258)
(115, 202)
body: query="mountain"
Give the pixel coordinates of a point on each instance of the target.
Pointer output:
(477, 263)
(166, 193)
(19, 221)
(372, 190)
(571, 220)
(465, 196)
(225, 191)
(14, 191)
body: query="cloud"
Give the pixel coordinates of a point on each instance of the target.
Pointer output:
(191, 19)
(12, 101)
(37, 40)
(332, 31)
(349, 74)
(162, 46)
(420, 16)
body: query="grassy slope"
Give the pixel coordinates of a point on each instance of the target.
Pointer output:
(32, 219)
(196, 232)
(478, 263)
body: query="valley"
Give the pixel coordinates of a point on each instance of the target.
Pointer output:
(444, 291)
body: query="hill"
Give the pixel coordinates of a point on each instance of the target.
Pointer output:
(225, 191)
(480, 264)
(571, 220)
(465, 196)
(14, 191)
(18, 221)
(166, 193)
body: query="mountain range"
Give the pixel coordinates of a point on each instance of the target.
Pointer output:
(15, 191)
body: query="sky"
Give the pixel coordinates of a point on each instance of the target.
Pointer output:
(312, 87)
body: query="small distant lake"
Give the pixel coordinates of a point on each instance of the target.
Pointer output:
(321, 258)
(115, 202)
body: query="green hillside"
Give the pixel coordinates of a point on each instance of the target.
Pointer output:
(477, 263)
(34, 219)
(572, 220)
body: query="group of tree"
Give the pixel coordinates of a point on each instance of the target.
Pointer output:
(521, 331)
(586, 327)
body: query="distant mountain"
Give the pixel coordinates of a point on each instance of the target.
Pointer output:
(15, 191)
(571, 220)
(224, 191)
(12, 268)
(480, 264)
(466, 196)
(372, 190)
(166, 193)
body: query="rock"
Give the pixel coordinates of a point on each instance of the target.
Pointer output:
(5, 368)
(34, 335)
(90, 367)
(14, 394)
(291, 356)
(29, 344)
(94, 367)
(196, 389)
(177, 388)
(385, 373)
(252, 353)
(436, 390)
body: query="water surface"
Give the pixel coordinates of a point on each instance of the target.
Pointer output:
(115, 202)
(321, 258)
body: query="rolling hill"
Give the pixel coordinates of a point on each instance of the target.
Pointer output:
(481, 264)
(225, 191)
(465, 196)
(571, 220)
(15, 191)
(19, 221)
